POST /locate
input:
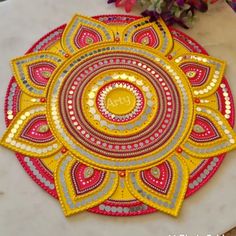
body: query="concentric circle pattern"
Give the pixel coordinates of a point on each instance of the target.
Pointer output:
(119, 116)
(119, 101)
(157, 129)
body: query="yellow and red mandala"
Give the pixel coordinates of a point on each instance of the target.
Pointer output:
(119, 116)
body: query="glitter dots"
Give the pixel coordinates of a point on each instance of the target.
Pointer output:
(227, 101)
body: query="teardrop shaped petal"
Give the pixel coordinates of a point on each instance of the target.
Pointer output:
(165, 193)
(218, 137)
(205, 73)
(77, 193)
(152, 34)
(83, 31)
(33, 71)
(23, 134)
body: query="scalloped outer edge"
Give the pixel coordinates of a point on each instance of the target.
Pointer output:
(96, 209)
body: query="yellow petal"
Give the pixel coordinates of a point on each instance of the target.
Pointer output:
(153, 34)
(73, 188)
(17, 139)
(223, 141)
(30, 69)
(168, 200)
(83, 31)
(204, 72)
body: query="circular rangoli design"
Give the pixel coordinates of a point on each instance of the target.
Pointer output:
(119, 116)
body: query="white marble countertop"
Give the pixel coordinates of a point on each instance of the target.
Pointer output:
(27, 210)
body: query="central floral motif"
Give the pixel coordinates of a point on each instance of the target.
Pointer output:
(118, 109)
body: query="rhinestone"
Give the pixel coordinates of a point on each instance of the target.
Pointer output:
(155, 171)
(89, 40)
(198, 129)
(46, 74)
(88, 172)
(43, 129)
(145, 40)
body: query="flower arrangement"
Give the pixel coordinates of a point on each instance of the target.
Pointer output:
(172, 11)
(232, 3)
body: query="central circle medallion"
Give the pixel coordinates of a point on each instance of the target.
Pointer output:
(120, 101)
(120, 107)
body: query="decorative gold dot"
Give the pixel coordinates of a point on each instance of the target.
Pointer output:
(123, 76)
(90, 103)
(19, 122)
(226, 131)
(23, 117)
(232, 141)
(91, 95)
(132, 78)
(13, 131)
(115, 76)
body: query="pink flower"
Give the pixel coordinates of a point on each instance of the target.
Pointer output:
(127, 4)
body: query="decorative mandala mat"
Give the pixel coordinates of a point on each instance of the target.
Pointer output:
(119, 116)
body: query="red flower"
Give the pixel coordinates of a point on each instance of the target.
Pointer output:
(127, 4)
